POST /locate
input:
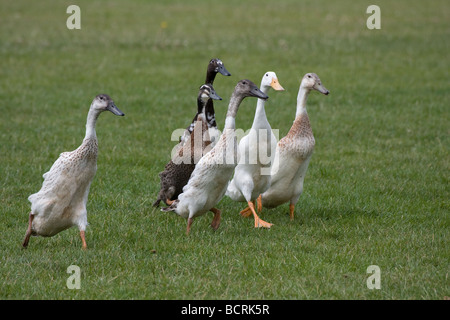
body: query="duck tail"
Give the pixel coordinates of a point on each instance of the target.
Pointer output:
(156, 203)
(163, 195)
(159, 199)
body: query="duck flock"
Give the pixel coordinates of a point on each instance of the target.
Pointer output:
(205, 166)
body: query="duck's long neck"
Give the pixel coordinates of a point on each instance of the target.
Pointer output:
(210, 76)
(301, 100)
(200, 105)
(233, 107)
(260, 113)
(90, 124)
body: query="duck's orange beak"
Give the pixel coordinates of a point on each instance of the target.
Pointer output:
(276, 85)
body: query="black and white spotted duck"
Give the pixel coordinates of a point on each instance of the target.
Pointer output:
(177, 172)
(214, 66)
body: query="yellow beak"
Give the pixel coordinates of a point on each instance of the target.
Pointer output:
(276, 85)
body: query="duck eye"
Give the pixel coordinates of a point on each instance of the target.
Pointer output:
(309, 76)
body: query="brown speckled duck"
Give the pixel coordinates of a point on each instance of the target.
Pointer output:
(177, 172)
(293, 153)
(61, 202)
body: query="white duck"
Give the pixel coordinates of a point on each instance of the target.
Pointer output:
(210, 178)
(61, 202)
(293, 153)
(256, 152)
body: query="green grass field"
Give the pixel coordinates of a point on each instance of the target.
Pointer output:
(377, 188)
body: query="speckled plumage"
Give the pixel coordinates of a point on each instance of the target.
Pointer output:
(292, 157)
(293, 152)
(61, 201)
(299, 141)
(177, 172)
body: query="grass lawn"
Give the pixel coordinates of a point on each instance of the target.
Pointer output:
(377, 187)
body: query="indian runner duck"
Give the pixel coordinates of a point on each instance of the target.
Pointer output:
(256, 150)
(177, 172)
(61, 202)
(293, 153)
(211, 175)
(214, 66)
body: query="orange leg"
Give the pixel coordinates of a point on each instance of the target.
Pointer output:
(28, 233)
(259, 203)
(216, 220)
(188, 229)
(291, 211)
(83, 240)
(246, 212)
(258, 221)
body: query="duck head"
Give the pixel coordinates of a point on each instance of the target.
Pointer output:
(103, 102)
(247, 88)
(217, 66)
(311, 81)
(270, 80)
(207, 92)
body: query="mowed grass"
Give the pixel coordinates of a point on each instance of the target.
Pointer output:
(376, 191)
